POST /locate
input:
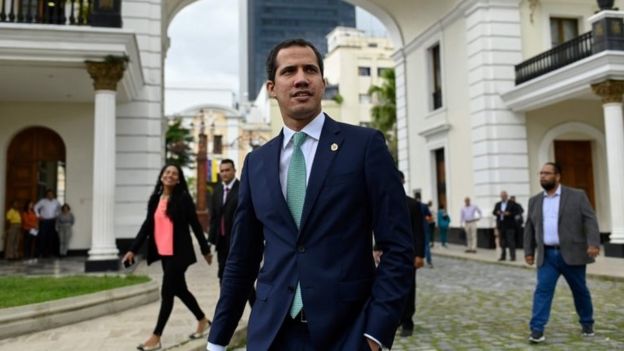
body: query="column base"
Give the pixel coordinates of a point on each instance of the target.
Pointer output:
(102, 266)
(614, 250)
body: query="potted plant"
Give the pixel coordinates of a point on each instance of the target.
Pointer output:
(605, 4)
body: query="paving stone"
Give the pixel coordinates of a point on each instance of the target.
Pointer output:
(469, 305)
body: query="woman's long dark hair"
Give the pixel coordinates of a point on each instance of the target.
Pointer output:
(176, 198)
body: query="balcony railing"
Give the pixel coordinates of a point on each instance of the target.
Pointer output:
(97, 13)
(555, 58)
(72, 12)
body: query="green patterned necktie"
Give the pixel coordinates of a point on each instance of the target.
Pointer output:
(295, 196)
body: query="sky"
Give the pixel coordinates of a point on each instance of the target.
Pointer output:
(204, 44)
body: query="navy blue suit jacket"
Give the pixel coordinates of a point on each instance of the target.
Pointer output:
(352, 191)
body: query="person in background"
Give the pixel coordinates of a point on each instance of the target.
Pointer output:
(505, 212)
(431, 221)
(30, 228)
(426, 229)
(170, 212)
(562, 227)
(443, 224)
(64, 224)
(470, 215)
(14, 221)
(519, 218)
(47, 210)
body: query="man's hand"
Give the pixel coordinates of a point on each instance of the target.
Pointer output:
(529, 260)
(373, 345)
(593, 251)
(208, 258)
(419, 262)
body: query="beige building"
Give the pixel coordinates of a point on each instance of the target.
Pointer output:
(229, 134)
(354, 62)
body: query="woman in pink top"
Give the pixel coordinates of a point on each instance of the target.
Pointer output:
(170, 212)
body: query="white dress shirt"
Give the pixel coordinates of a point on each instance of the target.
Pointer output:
(47, 209)
(550, 215)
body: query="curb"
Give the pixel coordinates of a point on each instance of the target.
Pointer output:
(522, 266)
(20, 320)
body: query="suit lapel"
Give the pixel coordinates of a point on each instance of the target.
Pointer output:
(273, 180)
(539, 214)
(562, 203)
(323, 159)
(229, 196)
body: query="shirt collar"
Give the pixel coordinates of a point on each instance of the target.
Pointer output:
(229, 185)
(312, 130)
(557, 193)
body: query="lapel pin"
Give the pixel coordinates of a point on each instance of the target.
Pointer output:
(334, 147)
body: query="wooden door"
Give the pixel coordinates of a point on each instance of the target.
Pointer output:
(575, 158)
(30, 151)
(440, 178)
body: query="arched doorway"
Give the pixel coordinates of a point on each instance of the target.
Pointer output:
(35, 162)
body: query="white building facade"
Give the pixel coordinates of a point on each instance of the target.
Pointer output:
(81, 100)
(473, 123)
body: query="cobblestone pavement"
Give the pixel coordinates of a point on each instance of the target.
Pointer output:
(467, 305)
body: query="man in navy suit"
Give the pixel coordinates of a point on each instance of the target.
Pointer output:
(309, 203)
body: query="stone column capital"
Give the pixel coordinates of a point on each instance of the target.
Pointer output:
(609, 90)
(106, 74)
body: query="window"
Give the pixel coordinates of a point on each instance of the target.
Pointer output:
(435, 76)
(364, 71)
(381, 70)
(217, 144)
(562, 30)
(365, 99)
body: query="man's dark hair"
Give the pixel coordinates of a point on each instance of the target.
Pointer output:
(271, 62)
(227, 160)
(556, 166)
(402, 175)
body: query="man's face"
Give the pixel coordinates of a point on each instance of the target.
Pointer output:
(298, 86)
(227, 172)
(504, 196)
(467, 201)
(50, 195)
(549, 179)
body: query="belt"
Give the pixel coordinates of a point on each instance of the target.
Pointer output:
(552, 247)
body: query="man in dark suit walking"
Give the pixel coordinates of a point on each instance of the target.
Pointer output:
(418, 223)
(309, 202)
(224, 203)
(505, 212)
(562, 226)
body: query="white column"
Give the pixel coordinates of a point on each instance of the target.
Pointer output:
(103, 253)
(103, 245)
(611, 92)
(500, 154)
(614, 134)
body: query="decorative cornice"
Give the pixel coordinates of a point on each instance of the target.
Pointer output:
(106, 74)
(437, 129)
(609, 90)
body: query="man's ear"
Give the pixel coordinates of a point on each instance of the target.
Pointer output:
(269, 87)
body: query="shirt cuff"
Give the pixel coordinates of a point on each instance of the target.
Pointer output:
(213, 347)
(375, 340)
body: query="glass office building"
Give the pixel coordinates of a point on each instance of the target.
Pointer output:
(271, 21)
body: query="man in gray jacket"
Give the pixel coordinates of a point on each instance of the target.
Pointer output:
(562, 226)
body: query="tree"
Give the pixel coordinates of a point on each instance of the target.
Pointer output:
(383, 112)
(177, 139)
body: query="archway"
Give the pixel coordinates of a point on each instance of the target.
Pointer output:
(35, 162)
